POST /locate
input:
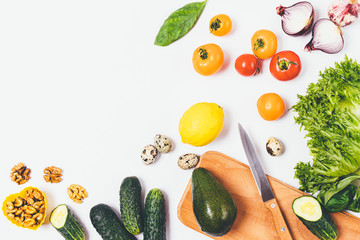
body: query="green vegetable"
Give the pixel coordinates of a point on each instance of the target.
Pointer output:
(330, 113)
(155, 216)
(64, 221)
(130, 205)
(340, 200)
(214, 208)
(179, 23)
(314, 217)
(355, 204)
(108, 224)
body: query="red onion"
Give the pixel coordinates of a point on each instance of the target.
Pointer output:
(297, 19)
(326, 36)
(343, 12)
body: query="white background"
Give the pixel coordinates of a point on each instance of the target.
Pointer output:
(83, 87)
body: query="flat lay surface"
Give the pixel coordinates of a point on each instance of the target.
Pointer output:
(84, 88)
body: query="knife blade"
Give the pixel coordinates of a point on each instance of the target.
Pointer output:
(263, 185)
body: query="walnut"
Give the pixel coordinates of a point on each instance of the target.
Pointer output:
(20, 173)
(76, 193)
(52, 174)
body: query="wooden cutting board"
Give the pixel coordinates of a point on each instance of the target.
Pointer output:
(254, 221)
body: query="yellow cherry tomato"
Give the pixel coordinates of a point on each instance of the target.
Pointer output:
(208, 59)
(270, 106)
(220, 25)
(264, 44)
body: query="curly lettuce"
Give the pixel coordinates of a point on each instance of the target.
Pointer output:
(330, 114)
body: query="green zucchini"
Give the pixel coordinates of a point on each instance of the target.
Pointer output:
(315, 217)
(130, 205)
(155, 216)
(108, 224)
(64, 221)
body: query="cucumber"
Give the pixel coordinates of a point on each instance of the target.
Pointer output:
(108, 224)
(64, 221)
(315, 217)
(130, 205)
(155, 216)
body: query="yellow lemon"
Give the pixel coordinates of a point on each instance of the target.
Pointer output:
(201, 124)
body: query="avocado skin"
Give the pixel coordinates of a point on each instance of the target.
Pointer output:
(214, 208)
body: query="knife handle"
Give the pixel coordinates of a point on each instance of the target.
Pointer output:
(280, 224)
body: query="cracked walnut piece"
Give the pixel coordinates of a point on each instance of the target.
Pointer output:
(76, 193)
(20, 173)
(52, 174)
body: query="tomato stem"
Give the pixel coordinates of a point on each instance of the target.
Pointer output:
(203, 53)
(283, 64)
(259, 43)
(258, 65)
(215, 25)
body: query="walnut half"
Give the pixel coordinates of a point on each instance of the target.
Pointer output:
(20, 173)
(52, 174)
(76, 193)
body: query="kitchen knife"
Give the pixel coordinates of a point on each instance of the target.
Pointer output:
(263, 185)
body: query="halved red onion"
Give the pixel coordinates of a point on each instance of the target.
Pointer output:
(297, 19)
(343, 12)
(326, 36)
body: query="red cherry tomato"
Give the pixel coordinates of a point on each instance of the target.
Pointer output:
(247, 65)
(285, 65)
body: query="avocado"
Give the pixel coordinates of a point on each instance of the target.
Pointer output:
(214, 208)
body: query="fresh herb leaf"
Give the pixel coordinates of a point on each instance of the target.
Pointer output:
(342, 184)
(179, 23)
(355, 204)
(340, 200)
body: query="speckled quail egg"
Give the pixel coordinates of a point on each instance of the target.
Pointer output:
(162, 143)
(149, 154)
(274, 146)
(188, 160)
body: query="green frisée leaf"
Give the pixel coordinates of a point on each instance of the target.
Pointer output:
(330, 114)
(179, 23)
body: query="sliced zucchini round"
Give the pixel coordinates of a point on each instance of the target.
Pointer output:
(62, 219)
(315, 217)
(58, 216)
(307, 208)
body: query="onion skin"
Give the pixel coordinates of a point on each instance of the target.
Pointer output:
(343, 12)
(281, 11)
(315, 44)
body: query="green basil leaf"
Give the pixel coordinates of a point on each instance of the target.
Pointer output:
(179, 23)
(340, 186)
(340, 200)
(355, 204)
